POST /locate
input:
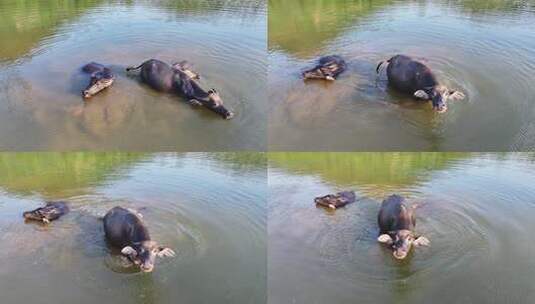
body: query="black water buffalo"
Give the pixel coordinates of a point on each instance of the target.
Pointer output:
(328, 68)
(337, 200)
(181, 80)
(412, 77)
(101, 78)
(396, 226)
(50, 212)
(124, 229)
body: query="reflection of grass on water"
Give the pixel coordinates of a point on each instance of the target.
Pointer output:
(241, 160)
(345, 169)
(23, 23)
(203, 6)
(59, 174)
(66, 174)
(493, 5)
(303, 26)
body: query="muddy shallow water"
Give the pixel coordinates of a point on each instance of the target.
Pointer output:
(45, 43)
(210, 208)
(484, 48)
(476, 209)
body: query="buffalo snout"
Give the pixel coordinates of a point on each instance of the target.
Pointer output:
(215, 103)
(144, 255)
(439, 103)
(401, 247)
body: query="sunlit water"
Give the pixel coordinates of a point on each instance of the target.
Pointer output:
(486, 49)
(209, 208)
(477, 210)
(45, 43)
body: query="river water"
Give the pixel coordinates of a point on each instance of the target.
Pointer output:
(209, 208)
(45, 43)
(476, 209)
(485, 49)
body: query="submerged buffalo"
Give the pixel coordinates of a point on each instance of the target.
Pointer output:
(101, 78)
(181, 80)
(50, 212)
(337, 200)
(328, 68)
(413, 77)
(124, 229)
(396, 226)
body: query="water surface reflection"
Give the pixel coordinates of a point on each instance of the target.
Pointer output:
(210, 208)
(475, 208)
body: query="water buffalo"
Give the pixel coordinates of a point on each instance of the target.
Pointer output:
(412, 77)
(337, 200)
(328, 68)
(179, 79)
(125, 229)
(101, 78)
(50, 212)
(396, 226)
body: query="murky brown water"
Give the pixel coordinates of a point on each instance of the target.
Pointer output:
(46, 43)
(476, 209)
(483, 48)
(210, 208)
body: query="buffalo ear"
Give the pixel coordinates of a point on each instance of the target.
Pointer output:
(165, 252)
(129, 251)
(421, 94)
(385, 239)
(421, 241)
